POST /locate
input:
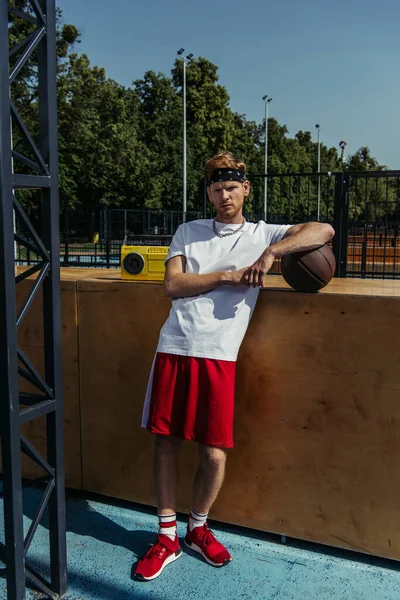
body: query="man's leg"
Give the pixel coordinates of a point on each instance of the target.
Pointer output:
(208, 482)
(209, 477)
(166, 549)
(166, 471)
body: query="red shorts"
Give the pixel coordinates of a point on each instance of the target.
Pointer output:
(193, 398)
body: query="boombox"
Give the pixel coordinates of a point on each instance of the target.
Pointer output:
(143, 263)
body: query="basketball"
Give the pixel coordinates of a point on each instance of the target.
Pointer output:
(309, 271)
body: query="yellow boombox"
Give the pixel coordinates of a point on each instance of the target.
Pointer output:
(143, 263)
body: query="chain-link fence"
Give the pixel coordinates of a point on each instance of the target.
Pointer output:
(364, 208)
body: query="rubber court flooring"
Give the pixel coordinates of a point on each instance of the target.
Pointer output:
(105, 538)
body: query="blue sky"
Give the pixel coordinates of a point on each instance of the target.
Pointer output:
(334, 63)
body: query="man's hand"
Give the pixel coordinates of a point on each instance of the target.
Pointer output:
(253, 275)
(235, 277)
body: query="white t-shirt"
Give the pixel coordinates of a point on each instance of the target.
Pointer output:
(213, 324)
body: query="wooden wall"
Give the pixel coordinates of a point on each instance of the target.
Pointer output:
(317, 426)
(318, 421)
(116, 355)
(317, 416)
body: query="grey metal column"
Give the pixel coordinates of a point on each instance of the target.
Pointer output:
(17, 407)
(9, 401)
(51, 296)
(341, 222)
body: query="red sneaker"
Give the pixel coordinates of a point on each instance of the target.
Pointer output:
(202, 540)
(161, 554)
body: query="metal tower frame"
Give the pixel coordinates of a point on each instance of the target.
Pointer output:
(16, 407)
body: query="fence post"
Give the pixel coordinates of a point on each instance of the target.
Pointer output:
(66, 238)
(341, 223)
(364, 259)
(202, 196)
(107, 231)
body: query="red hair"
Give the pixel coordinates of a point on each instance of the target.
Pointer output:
(223, 160)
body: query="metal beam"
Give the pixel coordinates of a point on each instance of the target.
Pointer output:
(51, 297)
(9, 401)
(17, 407)
(341, 223)
(31, 182)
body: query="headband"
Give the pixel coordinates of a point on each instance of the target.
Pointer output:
(227, 175)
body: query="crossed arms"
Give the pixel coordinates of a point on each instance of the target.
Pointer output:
(304, 236)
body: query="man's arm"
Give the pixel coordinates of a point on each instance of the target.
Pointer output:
(179, 284)
(305, 236)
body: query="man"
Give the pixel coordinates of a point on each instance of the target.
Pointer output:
(214, 271)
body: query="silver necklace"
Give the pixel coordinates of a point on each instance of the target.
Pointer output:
(222, 235)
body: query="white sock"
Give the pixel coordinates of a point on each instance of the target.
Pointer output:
(197, 519)
(167, 525)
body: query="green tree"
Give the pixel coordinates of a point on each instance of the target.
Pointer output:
(98, 139)
(159, 129)
(363, 161)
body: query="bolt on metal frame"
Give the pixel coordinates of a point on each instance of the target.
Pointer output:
(16, 407)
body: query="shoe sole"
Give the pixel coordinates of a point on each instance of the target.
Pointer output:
(196, 548)
(168, 561)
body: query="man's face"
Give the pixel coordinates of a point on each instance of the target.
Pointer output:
(228, 198)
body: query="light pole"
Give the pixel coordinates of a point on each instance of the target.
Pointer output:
(266, 102)
(186, 61)
(342, 145)
(319, 169)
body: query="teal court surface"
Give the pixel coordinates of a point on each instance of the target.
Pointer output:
(106, 537)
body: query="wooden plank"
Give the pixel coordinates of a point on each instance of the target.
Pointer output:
(347, 286)
(72, 274)
(352, 286)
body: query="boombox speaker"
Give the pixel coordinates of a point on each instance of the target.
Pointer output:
(143, 263)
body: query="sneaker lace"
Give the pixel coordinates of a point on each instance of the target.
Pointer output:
(158, 550)
(209, 537)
